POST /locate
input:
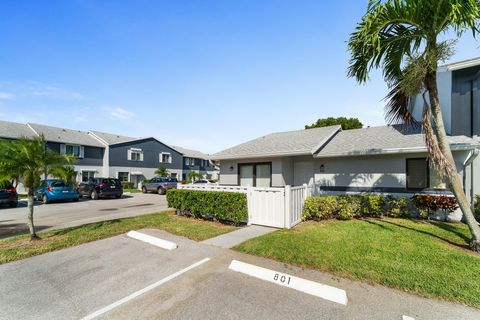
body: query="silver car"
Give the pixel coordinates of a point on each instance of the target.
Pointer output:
(160, 185)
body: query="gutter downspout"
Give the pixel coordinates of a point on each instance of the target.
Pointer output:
(469, 162)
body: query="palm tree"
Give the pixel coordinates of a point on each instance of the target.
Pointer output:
(67, 173)
(162, 172)
(193, 176)
(29, 159)
(402, 37)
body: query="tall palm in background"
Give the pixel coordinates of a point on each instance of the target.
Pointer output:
(29, 160)
(162, 172)
(67, 173)
(403, 37)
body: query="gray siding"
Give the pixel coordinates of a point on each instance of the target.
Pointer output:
(463, 112)
(93, 155)
(151, 149)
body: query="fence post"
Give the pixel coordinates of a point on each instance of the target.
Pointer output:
(249, 204)
(288, 208)
(305, 191)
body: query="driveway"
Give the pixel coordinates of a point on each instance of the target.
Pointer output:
(59, 215)
(124, 278)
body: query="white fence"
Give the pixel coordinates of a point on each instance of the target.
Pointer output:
(273, 207)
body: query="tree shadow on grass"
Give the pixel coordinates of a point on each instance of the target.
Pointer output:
(442, 225)
(17, 229)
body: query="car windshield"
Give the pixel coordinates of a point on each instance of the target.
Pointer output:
(57, 184)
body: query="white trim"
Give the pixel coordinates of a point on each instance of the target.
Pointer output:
(34, 131)
(460, 65)
(324, 141)
(142, 291)
(98, 138)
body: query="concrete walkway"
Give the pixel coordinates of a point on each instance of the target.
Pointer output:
(233, 238)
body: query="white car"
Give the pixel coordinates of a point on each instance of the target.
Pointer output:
(205, 182)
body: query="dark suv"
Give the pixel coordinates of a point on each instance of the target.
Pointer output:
(160, 185)
(101, 188)
(8, 194)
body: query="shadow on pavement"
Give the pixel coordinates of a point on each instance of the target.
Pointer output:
(16, 229)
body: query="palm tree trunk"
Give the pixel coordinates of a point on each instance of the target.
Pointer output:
(31, 226)
(452, 175)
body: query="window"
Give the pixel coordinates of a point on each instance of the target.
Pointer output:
(86, 175)
(74, 150)
(417, 173)
(255, 174)
(165, 157)
(189, 161)
(173, 175)
(135, 154)
(123, 176)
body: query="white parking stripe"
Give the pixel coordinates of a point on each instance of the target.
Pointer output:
(407, 318)
(142, 291)
(152, 240)
(307, 286)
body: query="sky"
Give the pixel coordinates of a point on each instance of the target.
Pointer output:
(205, 75)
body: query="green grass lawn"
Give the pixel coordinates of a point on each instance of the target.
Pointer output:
(21, 247)
(132, 190)
(423, 257)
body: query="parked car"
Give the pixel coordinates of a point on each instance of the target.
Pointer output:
(8, 195)
(55, 190)
(101, 188)
(205, 182)
(160, 185)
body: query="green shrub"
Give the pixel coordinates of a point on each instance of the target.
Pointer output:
(127, 185)
(319, 208)
(345, 207)
(222, 206)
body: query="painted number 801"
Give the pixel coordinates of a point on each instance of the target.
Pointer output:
(281, 278)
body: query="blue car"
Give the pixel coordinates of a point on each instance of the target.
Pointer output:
(55, 190)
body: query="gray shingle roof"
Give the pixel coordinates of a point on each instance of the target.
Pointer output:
(382, 140)
(13, 130)
(111, 138)
(300, 142)
(191, 153)
(61, 135)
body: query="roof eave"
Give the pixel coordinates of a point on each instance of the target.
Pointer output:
(262, 155)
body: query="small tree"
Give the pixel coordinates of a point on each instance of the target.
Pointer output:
(29, 159)
(193, 176)
(346, 123)
(162, 172)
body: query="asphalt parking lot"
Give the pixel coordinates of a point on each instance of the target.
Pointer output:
(58, 215)
(124, 278)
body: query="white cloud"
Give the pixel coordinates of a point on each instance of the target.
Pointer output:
(6, 96)
(120, 113)
(41, 89)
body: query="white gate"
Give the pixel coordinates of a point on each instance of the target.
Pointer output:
(273, 207)
(266, 207)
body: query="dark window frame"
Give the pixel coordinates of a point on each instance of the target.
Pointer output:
(254, 164)
(427, 167)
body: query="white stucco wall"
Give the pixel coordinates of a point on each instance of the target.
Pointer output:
(97, 169)
(229, 170)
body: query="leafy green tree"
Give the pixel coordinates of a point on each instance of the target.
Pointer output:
(162, 172)
(346, 123)
(194, 176)
(405, 38)
(29, 159)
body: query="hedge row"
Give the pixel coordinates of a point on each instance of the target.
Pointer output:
(346, 207)
(127, 185)
(222, 206)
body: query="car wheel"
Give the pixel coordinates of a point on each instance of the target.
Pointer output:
(118, 196)
(13, 204)
(94, 195)
(45, 199)
(144, 190)
(161, 191)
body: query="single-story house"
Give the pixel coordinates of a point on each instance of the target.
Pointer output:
(387, 159)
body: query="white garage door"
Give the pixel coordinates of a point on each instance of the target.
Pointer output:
(303, 173)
